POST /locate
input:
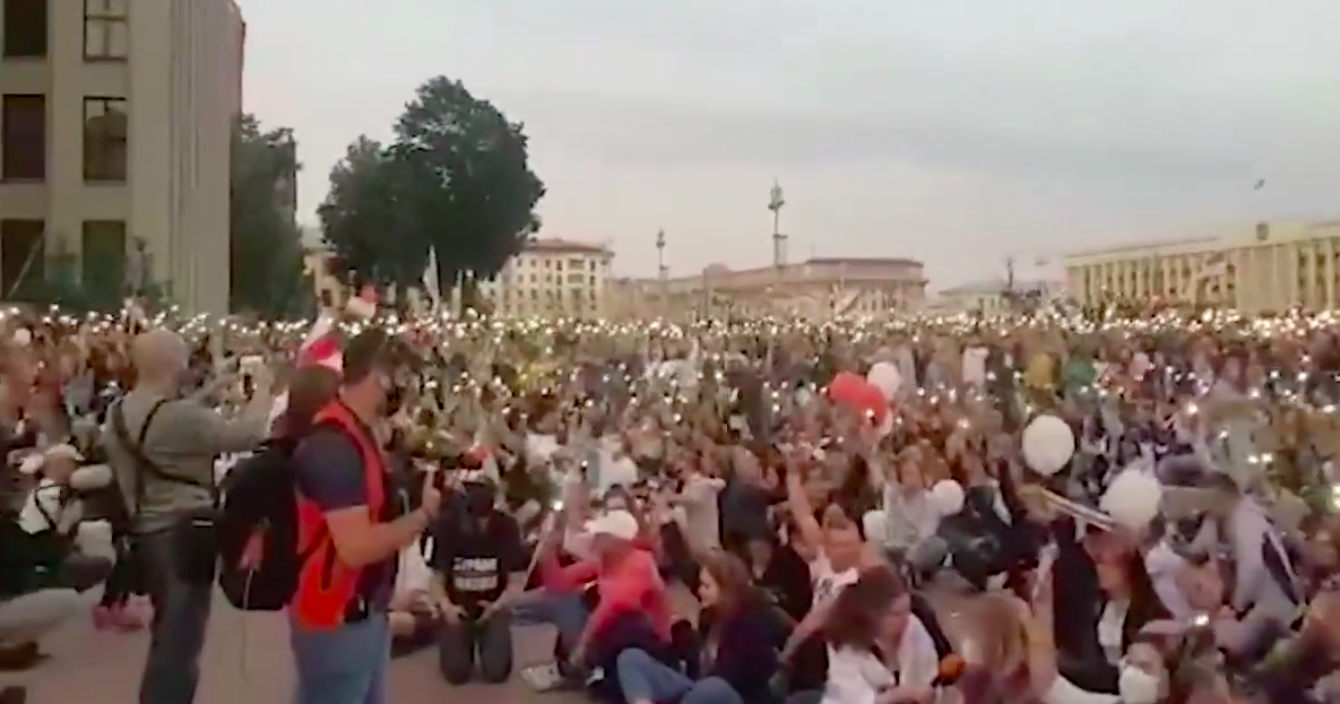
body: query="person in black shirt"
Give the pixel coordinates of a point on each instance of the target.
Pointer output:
(478, 566)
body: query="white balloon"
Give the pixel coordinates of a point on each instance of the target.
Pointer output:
(885, 377)
(1048, 444)
(1132, 499)
(876, 525)
(947, 497)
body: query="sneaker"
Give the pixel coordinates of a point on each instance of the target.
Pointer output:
(136, 615)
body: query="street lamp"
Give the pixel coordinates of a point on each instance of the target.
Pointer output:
(662, 271)
(776, 202)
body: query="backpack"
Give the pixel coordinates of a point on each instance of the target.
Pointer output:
(258, 530)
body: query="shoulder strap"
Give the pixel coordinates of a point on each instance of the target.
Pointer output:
(136, 450)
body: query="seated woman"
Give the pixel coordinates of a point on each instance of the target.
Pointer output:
(1012, 658)
(632, 608)
(1103, 598)
(879, 652)
(739, 647)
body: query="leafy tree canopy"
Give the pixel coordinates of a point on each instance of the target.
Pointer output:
(456, 180)
(266, 274)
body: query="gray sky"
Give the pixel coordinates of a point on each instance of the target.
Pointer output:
(957, 132)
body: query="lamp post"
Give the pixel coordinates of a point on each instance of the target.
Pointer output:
(776, 202)
(662, 271)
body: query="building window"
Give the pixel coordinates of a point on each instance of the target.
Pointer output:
(25, 138)
(25, 29)
(22, 258)
(103, 267)
(105, 139)
(106, 30)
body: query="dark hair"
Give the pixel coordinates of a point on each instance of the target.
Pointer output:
(854, 620)
(366, 353)
(733, 579)
(309, 390)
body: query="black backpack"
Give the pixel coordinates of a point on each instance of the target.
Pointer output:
(258, 531)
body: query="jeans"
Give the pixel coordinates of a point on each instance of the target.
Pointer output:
(181, 613)
(344, 665)
(646, 679)
(567, 613)
(457, 644)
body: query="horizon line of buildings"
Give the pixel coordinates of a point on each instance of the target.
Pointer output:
(1257, 268)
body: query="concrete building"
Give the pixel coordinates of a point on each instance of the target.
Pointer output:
(991, 297)
(553, 278)
(819, 288)
(116, 127)
(1262, 267)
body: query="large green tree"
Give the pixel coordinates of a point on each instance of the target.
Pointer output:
(456, 180)
(266, 272)
(362, 219)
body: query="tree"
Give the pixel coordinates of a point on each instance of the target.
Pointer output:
(475, 197)
(456, 180)
(361, 220)
(266, 274)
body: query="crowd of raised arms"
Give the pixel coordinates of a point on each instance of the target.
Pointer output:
(1058, 509)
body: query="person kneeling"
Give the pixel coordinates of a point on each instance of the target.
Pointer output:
(479, 566)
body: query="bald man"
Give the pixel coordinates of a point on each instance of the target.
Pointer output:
(161, 448)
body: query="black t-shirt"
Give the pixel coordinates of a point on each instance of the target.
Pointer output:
(476, 556)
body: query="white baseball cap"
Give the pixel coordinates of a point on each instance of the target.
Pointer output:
(616, 524)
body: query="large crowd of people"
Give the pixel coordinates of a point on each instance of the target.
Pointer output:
(1122, 510)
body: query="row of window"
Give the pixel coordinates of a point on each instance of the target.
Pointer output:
(575, 263)
(27, 23)
(572, 279)
(23, 139)
(23, 258)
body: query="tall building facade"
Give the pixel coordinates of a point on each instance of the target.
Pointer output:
(1257, 267)
(553, 278)
(116, 135)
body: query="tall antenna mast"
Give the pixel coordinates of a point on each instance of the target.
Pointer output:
(776, 201)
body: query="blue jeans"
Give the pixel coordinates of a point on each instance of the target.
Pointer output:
(181, 613)
(646, 679)
(344, 665)
(567, 612)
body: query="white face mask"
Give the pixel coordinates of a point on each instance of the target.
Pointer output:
(1135, 686)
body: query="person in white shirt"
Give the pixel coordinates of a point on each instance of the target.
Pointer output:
(879, 652)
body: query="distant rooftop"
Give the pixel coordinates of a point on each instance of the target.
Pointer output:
(556, 245)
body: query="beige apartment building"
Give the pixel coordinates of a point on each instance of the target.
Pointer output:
(116, 128)
(553, 278)
(1266, 266)
(820, 288)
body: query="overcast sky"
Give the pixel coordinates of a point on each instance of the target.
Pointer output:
(957, 132)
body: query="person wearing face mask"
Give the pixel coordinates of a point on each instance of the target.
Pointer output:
(1144, 674)
(479, 566)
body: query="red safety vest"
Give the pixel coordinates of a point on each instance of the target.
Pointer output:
(329, 591)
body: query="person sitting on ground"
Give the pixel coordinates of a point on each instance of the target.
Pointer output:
(632, 607)
(736, 655)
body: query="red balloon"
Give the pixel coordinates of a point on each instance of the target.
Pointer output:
(871, 401)
(847, 388)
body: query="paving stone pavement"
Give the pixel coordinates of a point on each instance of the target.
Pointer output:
(246, 661)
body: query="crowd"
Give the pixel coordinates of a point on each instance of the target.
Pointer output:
(1132, 510)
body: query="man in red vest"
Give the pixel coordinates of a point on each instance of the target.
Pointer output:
(352, 524)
